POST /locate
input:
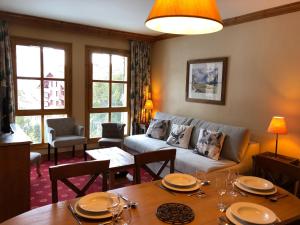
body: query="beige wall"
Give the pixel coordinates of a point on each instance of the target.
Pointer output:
(78, 40)
(263, 77)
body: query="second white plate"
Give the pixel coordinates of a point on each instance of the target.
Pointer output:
(253, 213)
(270, 192)
(194, 188)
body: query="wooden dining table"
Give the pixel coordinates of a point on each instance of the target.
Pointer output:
(150, 196)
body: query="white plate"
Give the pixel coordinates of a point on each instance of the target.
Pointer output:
(252, 213)
(96, 202)
(270, 192)
(231, 217)
(194, 188)
(180, 180)
(255, 183)
(95, 216)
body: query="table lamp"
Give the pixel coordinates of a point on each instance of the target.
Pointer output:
(148, 107)
(277, 126)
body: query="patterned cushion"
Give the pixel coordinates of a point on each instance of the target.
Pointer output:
(210, 143)
(158, 129)
(180, 135)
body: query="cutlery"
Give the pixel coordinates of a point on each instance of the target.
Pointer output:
(242, 193)
(70, 207)
(275, 198)
(199, 192)
(131, 204)
(164, 188)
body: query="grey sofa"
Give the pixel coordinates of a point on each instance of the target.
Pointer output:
(236, 153)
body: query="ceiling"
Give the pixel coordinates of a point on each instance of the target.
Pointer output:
(124, 15)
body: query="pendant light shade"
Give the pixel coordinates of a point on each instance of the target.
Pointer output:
(184, 17)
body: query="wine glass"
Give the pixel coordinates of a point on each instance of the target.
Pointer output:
(231, 178)
(125, 217)
(202, 176)
(114, 208)
(221, 183)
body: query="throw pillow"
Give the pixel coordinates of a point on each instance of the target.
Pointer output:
(180, 135)
(210, 143)
(158, 129)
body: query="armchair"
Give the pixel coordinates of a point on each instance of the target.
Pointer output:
(63, 132)
(112, 135)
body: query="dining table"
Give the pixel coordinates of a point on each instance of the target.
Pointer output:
(151, 195)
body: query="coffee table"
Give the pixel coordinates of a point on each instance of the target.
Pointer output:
(119, 161)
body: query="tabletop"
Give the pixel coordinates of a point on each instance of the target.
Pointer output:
(150, 196)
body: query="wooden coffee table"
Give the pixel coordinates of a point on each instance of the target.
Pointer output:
(119, 161)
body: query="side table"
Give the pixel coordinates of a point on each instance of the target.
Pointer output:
(282, 170)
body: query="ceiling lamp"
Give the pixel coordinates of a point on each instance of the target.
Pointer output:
(185, 17)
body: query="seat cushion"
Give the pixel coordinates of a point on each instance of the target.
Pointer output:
(69, 140)
(35, 156)
(141, 143)
(111, 140)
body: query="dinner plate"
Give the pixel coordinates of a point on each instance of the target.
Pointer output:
(96, 202)
(252, 213)
(93, 215)
(255, 183)
(194, 188)
(269, 192)
(180, 180)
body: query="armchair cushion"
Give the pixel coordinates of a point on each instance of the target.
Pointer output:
(69, 140)
(62, 126)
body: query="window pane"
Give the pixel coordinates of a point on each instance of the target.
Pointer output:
(96, 119)
(54, 94)
(100, 95)
(100, 66)
(119, 95)
(31, 125)
(29, 94)
(120, 117)
(119, 68)
(45, 124)
(54, 63)
(28, 61)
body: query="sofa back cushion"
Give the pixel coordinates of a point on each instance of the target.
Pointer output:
(180, 120)
(235, 143)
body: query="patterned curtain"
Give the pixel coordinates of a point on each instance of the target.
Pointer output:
(6, 81)
(140, 81)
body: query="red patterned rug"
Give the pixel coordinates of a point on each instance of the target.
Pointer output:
(41, 186)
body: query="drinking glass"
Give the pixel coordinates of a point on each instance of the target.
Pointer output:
(221, 183)
(231, 178)
(202, 176)
(125, 216)
(114, 208)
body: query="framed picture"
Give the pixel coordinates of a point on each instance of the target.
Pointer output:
(206, 80)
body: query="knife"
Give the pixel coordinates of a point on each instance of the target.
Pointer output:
(70, 207)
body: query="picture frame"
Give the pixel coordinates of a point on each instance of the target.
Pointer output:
(206, 80)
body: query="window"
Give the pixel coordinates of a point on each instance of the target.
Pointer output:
(42, 84)
(107, 89)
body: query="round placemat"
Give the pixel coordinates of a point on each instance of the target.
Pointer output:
(175, 213)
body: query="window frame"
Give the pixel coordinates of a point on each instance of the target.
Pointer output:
(67, 47)
(89, 50)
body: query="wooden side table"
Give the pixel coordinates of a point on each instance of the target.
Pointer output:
(282, 170)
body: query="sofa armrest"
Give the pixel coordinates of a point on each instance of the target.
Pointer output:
(79, 130)
(245, 166)
(50, 134)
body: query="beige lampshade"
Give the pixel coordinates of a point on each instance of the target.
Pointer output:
(148, 104)
(277, 125)
(184, 17)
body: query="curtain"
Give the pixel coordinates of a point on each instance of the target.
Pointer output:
(6, 81)
(140, 81)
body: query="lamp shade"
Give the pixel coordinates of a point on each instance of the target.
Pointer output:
(277, 125)
(148, 104)
(184, 17)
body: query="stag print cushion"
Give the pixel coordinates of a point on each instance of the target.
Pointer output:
(158, 129)
(210, 143)
(180, 136)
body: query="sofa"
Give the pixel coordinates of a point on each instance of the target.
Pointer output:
(236, 154)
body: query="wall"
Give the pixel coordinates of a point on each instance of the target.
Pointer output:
(263, 77)
(78, 41)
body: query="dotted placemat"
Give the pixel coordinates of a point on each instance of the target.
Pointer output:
(175, 213)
